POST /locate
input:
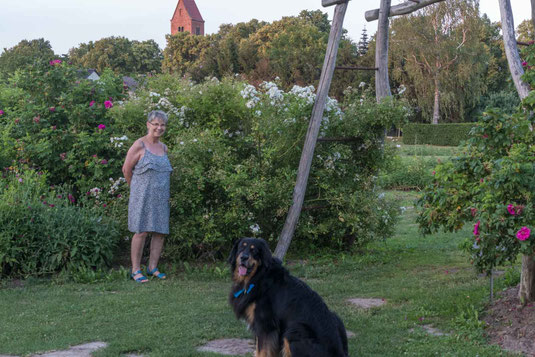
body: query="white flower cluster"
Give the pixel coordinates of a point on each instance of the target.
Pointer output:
(275, 94)
(306, 93)
(255, 228)
(118, 141)
(115, 184)
(95, 192)
(250, 92)
(330, 160)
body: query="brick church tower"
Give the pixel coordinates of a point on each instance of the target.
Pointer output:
(187, 18)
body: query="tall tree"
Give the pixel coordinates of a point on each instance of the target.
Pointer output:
(23, 54)
(119, 54)
(363, 43)
(441, 56)
(185, 53)
(525, 31)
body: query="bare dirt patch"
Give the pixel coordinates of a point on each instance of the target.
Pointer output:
(230, 346)
(510, 325)
(367, 303)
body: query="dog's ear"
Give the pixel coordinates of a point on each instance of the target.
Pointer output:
(265, 255)
(232, 257)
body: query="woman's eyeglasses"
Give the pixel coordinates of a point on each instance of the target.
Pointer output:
(158, 125)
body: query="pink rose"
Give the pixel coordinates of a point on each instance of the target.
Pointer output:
(524, 64)
(104, 162)
(2, 112)
(108, 104)
(37, 119)
(52, 109)
(511, 209)
(523, 233)
(101, 126)
(476, 229)
(55, 62)
(91, 103)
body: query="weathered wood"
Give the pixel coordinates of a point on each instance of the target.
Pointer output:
(382, 84)
(313, 130)
(533, 13)
(511, 49)
(357, 68)
(526, 292)
(401, 9)
(327, 3)
(522, 43)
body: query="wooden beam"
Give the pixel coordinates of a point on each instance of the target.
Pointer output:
(327, 3)
(522, 43)
(314, 125)
(511, 49)
(382, 83)
(401, 9)
(357, 68)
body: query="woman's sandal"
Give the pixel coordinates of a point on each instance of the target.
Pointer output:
(141, 279)
(160, 276)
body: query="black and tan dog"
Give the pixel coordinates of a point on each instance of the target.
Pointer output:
(286, 316)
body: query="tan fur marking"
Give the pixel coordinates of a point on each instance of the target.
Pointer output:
(249, 313)
(270, 347)
(286, 352)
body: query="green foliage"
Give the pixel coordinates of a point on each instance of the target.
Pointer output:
(24, 54)
(490, 184)
(436, 134)
(435, 49)
(408, 173)
(118, 54)
(57, 122)
(44, 232)
(235, 149)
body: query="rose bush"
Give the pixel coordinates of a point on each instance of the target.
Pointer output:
(490, 184)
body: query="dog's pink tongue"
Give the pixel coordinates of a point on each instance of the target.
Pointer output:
(242, 270)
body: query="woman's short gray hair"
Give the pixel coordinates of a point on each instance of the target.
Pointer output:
(157, 114)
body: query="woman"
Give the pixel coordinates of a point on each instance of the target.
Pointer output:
(147, 171)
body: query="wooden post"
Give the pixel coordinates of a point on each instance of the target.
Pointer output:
(511, 49)
(382, 84)
(313, 129)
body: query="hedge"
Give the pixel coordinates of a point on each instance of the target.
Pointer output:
(436, 134)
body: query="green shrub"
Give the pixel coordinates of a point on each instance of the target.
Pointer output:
(56, 121)
(408, 173)
(44, 232)
(235, 150)
(436, 134)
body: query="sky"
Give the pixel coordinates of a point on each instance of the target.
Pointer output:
(67, 23)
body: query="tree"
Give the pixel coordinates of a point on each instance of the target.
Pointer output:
(525, 31)
(118, 54)
(185, 53)
(437, 51)
(24, 54)
(363, 43)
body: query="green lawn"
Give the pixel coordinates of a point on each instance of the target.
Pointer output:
(425, 280)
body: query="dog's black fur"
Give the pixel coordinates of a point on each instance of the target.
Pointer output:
(286, 316)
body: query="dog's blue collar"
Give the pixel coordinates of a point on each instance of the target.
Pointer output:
(238, 293)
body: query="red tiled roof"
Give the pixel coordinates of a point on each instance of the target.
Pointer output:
(192, 10)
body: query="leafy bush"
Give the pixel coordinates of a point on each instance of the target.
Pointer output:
(436, 134)
(408, 173)
(44, 232)
(56, 121)
(236, 148)
(490, 184)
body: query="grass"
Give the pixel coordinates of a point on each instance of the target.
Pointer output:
(425, 280)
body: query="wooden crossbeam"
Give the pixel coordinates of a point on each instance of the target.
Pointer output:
(327, 3)
(357, 68)
(401, 9)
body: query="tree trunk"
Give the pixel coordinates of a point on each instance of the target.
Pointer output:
(511, 49)
(533, 14)
(436, 106)
(526, 293)
(313, 129)
(382, 84)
